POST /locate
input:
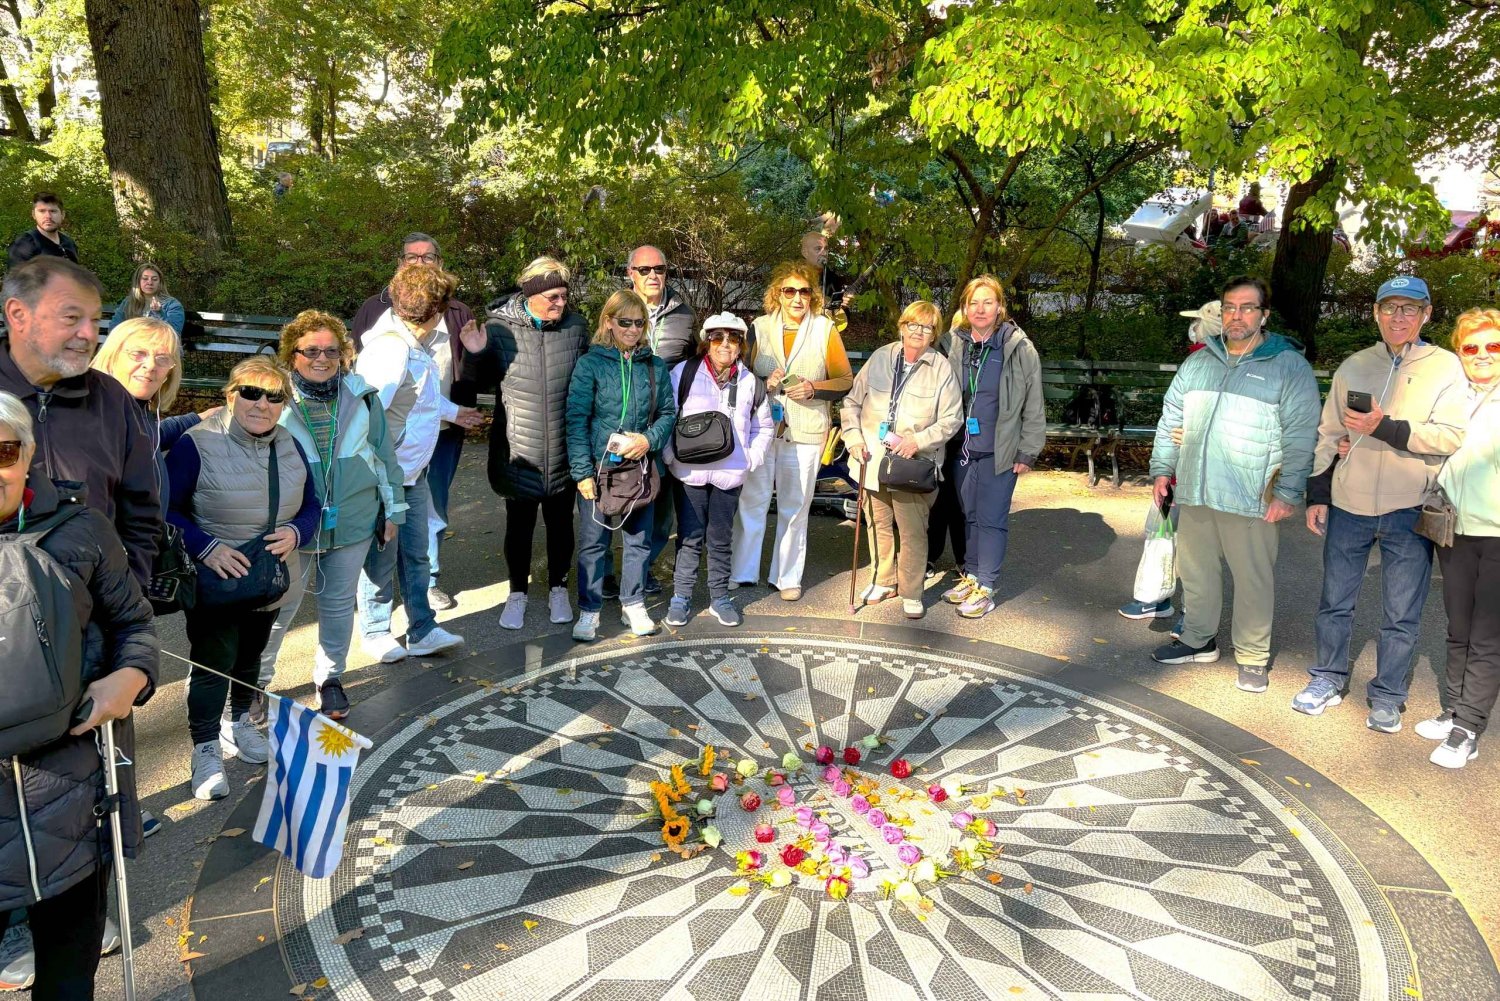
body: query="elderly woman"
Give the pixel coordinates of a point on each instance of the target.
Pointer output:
(526, 357)
(905, 401)
(1003, 432)
(52, 862)
(801, 357)
(337, 420)
(1471, 566)
(707, 493)
(620, 409)
(222, 491)
(148, 297)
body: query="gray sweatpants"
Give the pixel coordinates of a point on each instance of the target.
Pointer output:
(1248, 545)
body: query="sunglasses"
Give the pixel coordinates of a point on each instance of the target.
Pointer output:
(792, 292)
(1472, 349)
(725, 335)
(313, 354)
(157, 361)
(10, 452)
(557, 297)
(649, 269)
(254, 394)
(625, 324)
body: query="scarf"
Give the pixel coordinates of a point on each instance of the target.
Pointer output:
(324, 392)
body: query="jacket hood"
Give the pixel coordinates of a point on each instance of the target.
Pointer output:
(1273, 345)
(43, 499)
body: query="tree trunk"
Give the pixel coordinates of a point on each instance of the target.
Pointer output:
(15, 111)
(46, 105)
(312, 104)
(159, 135)
(1302, 263)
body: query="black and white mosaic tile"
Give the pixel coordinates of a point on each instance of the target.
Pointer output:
(497, 848)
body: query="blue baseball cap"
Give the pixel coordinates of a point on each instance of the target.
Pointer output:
(1405, 286)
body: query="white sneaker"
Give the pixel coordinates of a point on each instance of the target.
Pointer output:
(514, 615)
(112, 939)
(1438, 727)
(17, 958)
(208, 771)
(384, 648)
(244, 740)
(558, 606)
(437, 641)
(1458, 750)
(636, 617)
(586, 629)
(876, 593)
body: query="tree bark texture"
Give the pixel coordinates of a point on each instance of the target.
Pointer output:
(159, 134)
(15, 111)
(1301, 263)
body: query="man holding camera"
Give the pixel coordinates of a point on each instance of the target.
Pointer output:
(1399, 405)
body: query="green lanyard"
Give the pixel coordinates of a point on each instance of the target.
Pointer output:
(975, 374)
(627, 375)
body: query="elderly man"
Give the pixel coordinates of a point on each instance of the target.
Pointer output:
(46, 237)
(1247, 406)
(835, 286)
(1402, 405)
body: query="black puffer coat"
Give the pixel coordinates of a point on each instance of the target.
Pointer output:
(528, 368)
(60, 784)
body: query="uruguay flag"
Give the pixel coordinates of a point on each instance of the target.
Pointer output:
(306, 805)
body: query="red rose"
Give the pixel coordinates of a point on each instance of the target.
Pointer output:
(765, 833)
(750, 802)
(901, 768)
(824, 755)
(791, 855)
(851, 755)
(937, 793)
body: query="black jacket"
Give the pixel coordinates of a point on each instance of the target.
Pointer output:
(674, 331)
(89, 431)
(528, 368)
(61, 783)
(33, 244)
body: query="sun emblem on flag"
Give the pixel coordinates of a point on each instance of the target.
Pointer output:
(334, 741)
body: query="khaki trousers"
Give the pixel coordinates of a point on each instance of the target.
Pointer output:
(1248, 545)
(898, 538)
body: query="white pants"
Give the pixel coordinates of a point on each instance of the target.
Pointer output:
(792, 471)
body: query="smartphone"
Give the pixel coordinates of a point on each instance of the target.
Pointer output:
(1360, 403)
(617, 443)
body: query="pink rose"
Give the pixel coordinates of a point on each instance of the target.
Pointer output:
(775, 779)
(963, 819)
(820, 832)
(876, 818)
(750, 802)
(859, 867)
(842, 788)
(893, 835)
(860, 805)
(837, 854)
(804, 816)
(786, 796)
(720, 782)
(791, 855)
(831, 773)
(823, 755)
(901, 768)
(909, 854)
(937, 793)
(765, 833)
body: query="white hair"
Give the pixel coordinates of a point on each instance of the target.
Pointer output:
(14, 415)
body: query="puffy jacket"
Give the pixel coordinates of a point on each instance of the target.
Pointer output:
(750, 423)
(673, 330)
(528, 367)
(596, 397)
(929, 410)
(1021, 418)
(1248, 428)
(1471, 476)
(365, 477)
(55, 789)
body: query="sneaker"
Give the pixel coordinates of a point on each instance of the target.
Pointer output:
(149, 824)
(1438, 727)
(257, 710)
(1142, 610)
(677, 612)
(1319, 694)
(636, 617)
(332, 702)
(1178, 626)
(979, 603)
(876, 593)
(1385, 717)
(1252, 678)
(610, 589)
(735, 585)
(1458, 750)
(112, 939)
(726, 613)
(1178, 652)
(242, 739)
(913, 608)
(384, 648)
(559, 609)
(17, 958)
(439, 600)
(514, 614)
(652, 586)
(586, 629)
(956, 594)
(437, 640)
(208, 771)
(791, 594)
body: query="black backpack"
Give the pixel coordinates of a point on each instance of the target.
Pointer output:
(1092, 406)
(41, 641)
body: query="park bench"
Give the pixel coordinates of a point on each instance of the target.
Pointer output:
(228, 335)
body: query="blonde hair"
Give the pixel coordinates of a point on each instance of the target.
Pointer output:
(922, 311)
(310, 321)
(1471, 322)
(961, 315)
(617, 304)
(543, 266)
(262, 371)
(135, 329)
(793, 269)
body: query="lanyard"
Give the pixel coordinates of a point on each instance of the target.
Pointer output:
(627, 374)
(333, 429)
(975, 373)
(899, 380)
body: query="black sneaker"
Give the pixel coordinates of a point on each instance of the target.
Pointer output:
(1178, 652)
(653, 586)
(610, 589)
(332, 702)
(1252, 678)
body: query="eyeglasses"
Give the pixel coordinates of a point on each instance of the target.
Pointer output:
(622, 322)
(1471, 349)
(649, 269)
(724, 335)
(561, 295)
(313, 354)
(792, 292)
(10, 452)
(1231, 310)
(254, 394)
(420, 258)
(924, 329)
(157, 361)
(1404, 309)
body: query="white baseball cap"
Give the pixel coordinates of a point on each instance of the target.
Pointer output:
(723, 321)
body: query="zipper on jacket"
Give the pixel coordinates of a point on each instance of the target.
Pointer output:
(36, 884)
(43, 398)
(547, 419)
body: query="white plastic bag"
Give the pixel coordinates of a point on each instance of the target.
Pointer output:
(1156, 574)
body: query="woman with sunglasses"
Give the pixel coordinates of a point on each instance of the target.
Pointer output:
(620, 409)
(796, 349)
(219, 475)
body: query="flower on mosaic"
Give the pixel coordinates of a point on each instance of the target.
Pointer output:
(925, 872)
(791, 855)
(706, 764)
(859, 867)
(786, 795)
(860, 805)
(984, 827)
(750, 802)
(790, 761)
(906, 891)
(705, 808)
(837, 886)
(739, 889)
(909, 854)
(711, 836)
(808, 866)
(663, 797)
(747, 767)
(804, 816)
(893, 835)
(823, 755)
(851, 755)
(719, 782)
(765, 833)
(837, 854)
(869, 742)
(876, 818)
(775, 778)
(842, 788)
(780, 878)
(819, 830)
(675, 830)
(680, 787)
(963, 819)
(937, 793)
(749, 861)
(901, 768)
(831, 773)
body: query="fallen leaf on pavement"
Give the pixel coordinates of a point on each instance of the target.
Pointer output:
(233, 832)
(466, 865)
(350, 935)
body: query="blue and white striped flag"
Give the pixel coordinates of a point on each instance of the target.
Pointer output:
(306, 805)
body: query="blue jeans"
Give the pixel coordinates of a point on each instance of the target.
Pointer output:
(1405, 573)
(408, 553)
(594, 559)
(985, 496)
(332, 579)
(440, 472)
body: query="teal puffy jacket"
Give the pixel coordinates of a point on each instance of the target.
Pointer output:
(1249, 428)
(595, 399)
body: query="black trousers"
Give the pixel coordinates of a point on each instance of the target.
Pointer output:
(704, 514)
(520, 527)
(67, 930)
(231, 642)
(1471, 597)
(946, 519)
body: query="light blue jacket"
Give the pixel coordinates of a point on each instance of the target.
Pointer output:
(1249, 429)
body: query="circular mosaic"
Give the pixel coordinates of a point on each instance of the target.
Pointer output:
(505, 845)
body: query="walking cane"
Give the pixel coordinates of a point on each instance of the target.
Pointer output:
(859, 509)
(117, 843)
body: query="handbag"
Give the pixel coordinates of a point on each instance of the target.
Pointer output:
(1156, 573)
(623, 486)
(174, 576)
(1438, 520)
(706, 436)
(915, 475)
(268, 578)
